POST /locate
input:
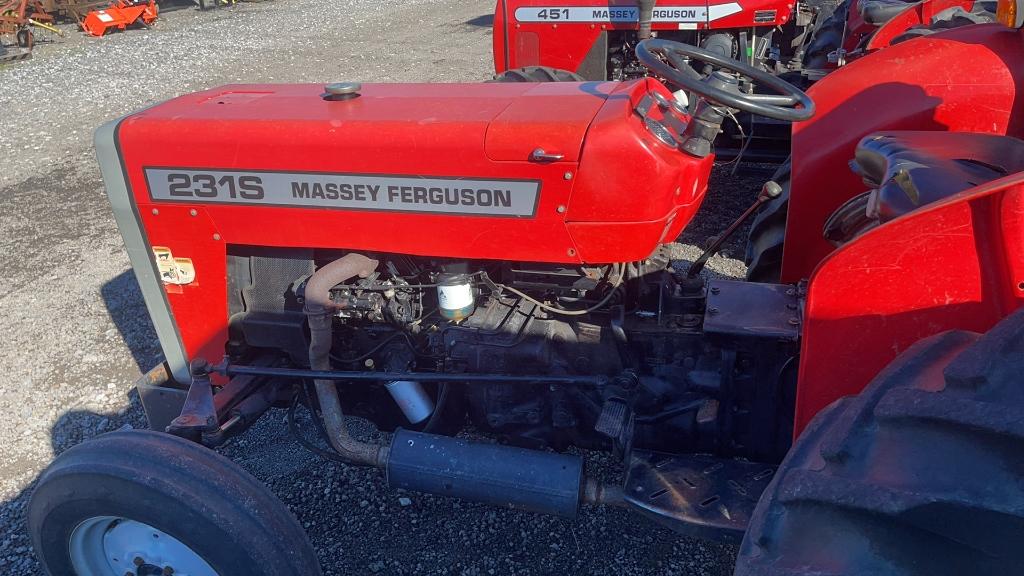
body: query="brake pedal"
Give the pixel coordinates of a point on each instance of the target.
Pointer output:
(612, 420)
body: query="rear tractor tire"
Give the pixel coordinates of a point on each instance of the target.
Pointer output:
(140, 502)
(922, 474)
(767, 232)
(538, 74)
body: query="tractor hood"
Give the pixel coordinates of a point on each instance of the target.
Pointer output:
(540, 172)
(406, 121)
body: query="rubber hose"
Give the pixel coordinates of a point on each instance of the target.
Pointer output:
(319, 311)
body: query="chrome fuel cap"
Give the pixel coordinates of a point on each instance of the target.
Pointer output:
(341, 90)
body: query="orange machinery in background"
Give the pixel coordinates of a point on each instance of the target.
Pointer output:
(119, 16)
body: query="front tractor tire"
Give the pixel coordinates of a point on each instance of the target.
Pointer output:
(139, 502)
(922, 474)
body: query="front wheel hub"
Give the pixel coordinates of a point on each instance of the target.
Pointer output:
(115, 546)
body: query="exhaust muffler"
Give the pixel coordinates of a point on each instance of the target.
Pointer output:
(489, 473)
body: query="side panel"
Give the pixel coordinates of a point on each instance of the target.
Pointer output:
(958, 264)
(962, 80)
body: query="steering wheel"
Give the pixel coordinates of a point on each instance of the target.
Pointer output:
(790, 104)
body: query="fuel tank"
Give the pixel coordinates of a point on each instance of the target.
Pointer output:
(556, 172)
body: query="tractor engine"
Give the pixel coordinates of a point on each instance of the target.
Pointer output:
(636, 327)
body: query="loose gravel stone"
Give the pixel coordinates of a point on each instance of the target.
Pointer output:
(75, 330)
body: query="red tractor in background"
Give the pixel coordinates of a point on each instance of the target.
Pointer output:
(596, 40)
(502, 265)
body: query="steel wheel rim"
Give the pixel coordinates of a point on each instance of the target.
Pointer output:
(116, 546)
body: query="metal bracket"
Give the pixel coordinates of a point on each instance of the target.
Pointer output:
(198, 415)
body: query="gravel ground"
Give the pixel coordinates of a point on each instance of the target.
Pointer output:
(75, 332)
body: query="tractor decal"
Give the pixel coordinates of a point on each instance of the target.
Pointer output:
(625, 13)
(346, 191)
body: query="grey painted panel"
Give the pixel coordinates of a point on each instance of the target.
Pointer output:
(140, 254)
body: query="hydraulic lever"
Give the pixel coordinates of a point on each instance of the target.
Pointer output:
(769, 191)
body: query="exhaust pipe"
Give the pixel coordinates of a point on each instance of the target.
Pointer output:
(646, 8)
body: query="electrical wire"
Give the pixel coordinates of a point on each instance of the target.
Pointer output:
(735, 162)
(600, 304)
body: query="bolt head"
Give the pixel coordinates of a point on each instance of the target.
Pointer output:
(568, 176)
(560, 209)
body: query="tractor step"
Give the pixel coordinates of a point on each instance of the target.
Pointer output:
(698, 495)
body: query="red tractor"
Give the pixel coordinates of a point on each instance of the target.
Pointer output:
(596, 40)
(577, 40)
(430, 256)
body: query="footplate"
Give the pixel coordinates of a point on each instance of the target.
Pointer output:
(698, 495)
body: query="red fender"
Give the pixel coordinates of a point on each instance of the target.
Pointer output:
(961, 80)
(956, 264)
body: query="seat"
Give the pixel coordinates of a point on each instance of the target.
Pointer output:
(910, 169)
(878, 12)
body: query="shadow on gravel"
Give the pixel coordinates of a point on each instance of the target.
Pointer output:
(484, 21)
(124, 303)
(73, 427)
